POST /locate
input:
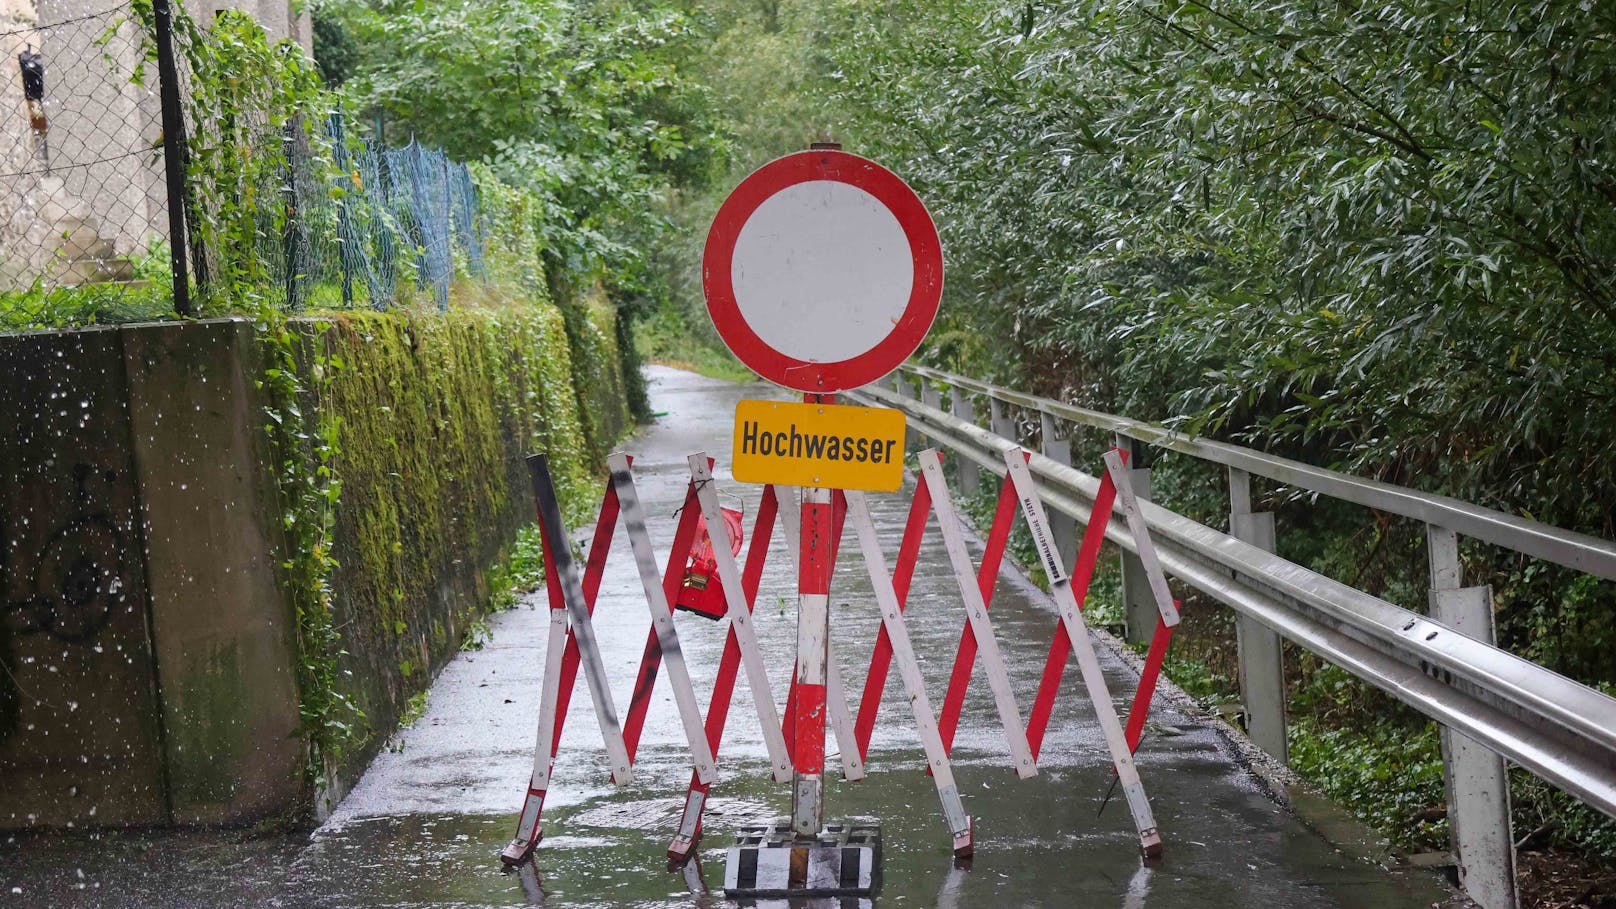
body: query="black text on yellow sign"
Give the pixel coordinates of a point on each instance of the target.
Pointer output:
(830, 445)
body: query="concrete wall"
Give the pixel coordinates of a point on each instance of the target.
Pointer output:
(148, 640)
(223, 634)
(149, 654)
(80, 736)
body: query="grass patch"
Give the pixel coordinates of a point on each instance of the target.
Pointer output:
(39, 308)
(1388, 774)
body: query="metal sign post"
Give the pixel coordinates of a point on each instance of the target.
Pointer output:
(840, 717)
(822, 272)
(813, 652)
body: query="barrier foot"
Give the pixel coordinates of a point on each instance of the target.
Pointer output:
(682, 847)
(965, 843)
(517, 851)
(771, 860)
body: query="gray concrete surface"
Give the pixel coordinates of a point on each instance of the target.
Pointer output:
(424, 825)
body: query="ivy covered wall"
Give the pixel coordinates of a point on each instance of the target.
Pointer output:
(422, 421)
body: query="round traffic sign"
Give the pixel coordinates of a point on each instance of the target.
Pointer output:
(822, 271)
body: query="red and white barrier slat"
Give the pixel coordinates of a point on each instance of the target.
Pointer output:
(1116, 461)
(986, 576)
(583, 632)
(667, 637)
(740, 617)
(639, 702)
(1082, 574)
(729, 665)
(1088, 662)
(571, 604)
(886, 598)
(902, 575)
(976, 613)
(841, 719)
(1116, 468)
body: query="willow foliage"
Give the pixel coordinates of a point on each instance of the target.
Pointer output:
(1379, 236)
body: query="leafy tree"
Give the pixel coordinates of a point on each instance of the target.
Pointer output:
(583, 104)
(335, 53)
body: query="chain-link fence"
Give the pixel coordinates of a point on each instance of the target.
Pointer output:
(364, 218)
(343, 220)
(81, 170)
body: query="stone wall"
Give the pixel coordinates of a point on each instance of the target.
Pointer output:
(436, 415)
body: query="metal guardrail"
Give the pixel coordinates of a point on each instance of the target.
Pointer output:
(1563, 547)
(1559, 729)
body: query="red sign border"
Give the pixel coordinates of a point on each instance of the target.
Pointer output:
(925, 247)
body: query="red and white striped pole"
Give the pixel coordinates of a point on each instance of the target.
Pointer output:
(813, 635)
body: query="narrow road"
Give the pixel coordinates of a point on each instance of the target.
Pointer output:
(424, 825)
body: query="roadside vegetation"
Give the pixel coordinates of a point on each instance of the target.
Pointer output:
(395, 390)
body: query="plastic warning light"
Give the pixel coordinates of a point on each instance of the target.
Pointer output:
(701, 592)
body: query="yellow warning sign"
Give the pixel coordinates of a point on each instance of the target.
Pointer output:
(830, 445)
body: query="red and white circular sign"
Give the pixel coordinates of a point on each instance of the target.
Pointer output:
(822, 271)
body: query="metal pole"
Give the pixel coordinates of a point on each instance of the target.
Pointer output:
(1261, 651)
(813, 653)
(347, 237)
(290, 252)
(1477, 781)
(173, 153)
(813, 629)
(1000, 422)
(905, 388)
(930, 396)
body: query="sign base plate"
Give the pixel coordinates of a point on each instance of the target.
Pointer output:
(771, 860)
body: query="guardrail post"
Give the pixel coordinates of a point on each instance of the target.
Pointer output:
(1477, 783)
(1138, 604)
(1261, 650)
(1000, 422)
(1063, 527)
(970, 476)
(930, 396)
(906, 389)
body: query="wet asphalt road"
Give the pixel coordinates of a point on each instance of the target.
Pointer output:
(424, 825)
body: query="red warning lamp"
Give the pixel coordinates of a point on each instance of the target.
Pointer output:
(701, 592)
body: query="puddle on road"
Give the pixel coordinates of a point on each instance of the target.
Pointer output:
(1040, 844)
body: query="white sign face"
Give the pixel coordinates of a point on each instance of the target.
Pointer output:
(826, 248)
(822, 271)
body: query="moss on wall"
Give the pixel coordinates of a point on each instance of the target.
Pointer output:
(591, 323)
(433, 414)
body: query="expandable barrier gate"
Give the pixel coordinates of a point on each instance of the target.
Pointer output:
(795, 744)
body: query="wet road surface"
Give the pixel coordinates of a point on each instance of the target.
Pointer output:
(424, 825)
